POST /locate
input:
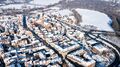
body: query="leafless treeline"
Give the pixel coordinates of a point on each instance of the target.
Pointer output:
(111, 8)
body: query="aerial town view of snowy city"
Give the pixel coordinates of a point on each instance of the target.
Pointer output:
(59, 33)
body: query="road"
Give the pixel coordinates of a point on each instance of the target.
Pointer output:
(47, 44)
(115, 48)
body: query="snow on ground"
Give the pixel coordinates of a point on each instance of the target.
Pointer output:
(63, 12)
(19, 6)
(33, 4)
(55, 8)
(95, 18)
(44, 2)
(90, 17)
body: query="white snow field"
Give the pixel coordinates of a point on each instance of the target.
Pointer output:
(44, 2)
(90, 17)
(65, 12)
(19, 6)
(32, 4)
(95, 18)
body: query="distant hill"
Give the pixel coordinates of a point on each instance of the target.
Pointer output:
(14, 1)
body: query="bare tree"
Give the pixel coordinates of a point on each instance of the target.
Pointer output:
(114, 2)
